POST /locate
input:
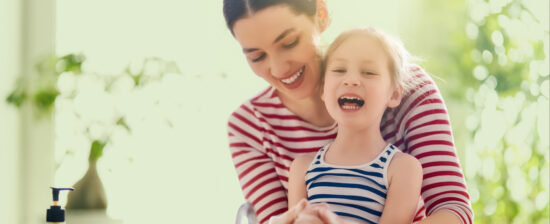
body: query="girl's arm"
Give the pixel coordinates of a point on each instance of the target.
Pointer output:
(296, 180)
(404, 180)
(297, 194)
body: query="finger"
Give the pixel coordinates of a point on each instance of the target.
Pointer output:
(308, 219)
(320, 205)
(293, 213)
(328, 216)
(289, 216)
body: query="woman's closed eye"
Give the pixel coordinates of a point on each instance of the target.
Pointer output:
(258, 58)
(292, 44)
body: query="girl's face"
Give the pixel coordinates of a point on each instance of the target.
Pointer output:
(357, 86)
(280, 46)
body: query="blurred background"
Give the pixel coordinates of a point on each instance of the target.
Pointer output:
(135, 96)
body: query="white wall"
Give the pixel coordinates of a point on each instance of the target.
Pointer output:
(9, 69)
(26, 145)
(36, 134)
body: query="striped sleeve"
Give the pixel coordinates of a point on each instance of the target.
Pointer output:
(428, 136)
(260, 183)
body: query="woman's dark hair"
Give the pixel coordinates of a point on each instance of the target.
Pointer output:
(234, 10)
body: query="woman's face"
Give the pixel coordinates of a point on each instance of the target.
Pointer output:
(280, 46)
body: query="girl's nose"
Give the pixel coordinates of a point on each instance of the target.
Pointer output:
(351, 80)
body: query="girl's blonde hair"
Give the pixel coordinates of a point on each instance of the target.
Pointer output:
(399, 57)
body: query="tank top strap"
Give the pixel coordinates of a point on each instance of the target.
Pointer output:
(316, 162)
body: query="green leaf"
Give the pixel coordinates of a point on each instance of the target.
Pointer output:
(71, 63)
(538, 48)
(45, 98)
(122, 122)
(96, 150)
(16, 98)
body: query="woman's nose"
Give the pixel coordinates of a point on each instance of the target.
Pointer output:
(279, 67)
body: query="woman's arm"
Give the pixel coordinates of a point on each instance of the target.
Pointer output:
(259, 180)
(441, 216)
(404, 180)
(428, 137)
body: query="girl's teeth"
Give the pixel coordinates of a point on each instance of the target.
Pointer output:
(294, 77)
(345, 107)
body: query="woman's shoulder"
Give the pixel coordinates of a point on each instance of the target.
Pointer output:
(419, 80)
(421, 87)
(265, 98)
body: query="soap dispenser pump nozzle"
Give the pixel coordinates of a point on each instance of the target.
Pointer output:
(55, 213)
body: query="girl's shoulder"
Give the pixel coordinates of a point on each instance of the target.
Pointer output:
(403, 164)
(302, 163)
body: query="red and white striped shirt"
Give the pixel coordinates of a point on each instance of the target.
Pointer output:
(264, 138)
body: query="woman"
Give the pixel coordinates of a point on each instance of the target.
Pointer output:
(280, 41)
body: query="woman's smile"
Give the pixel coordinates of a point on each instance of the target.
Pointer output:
(295, 79)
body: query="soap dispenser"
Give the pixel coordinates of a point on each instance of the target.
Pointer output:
(55, 214)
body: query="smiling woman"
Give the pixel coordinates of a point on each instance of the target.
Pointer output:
(288, 119)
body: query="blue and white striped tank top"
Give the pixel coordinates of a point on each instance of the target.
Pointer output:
(356, 193)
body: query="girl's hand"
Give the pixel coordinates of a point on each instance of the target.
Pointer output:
(290, 216)
(310, 215)
(304, 213)
(330, 217)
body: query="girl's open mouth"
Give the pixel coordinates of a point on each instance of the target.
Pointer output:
(349, 102)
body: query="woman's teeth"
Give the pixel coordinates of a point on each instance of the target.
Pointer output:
(293, 78)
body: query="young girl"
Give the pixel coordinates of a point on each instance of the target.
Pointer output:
(361, 177)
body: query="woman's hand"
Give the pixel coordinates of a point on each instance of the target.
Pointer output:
(304, 213)
(301, 213)
(329, 217)
(290, 216)
(310, 215)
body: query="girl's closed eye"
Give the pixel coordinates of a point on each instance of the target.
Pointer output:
(368, 73)
(339, 70)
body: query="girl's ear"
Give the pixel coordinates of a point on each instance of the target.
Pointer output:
(323, 19)
(396, 96)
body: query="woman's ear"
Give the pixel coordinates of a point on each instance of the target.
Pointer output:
(323, 19)
(396, 96)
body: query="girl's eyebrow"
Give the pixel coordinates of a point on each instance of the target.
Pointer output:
(338, 60)
(280, 37)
